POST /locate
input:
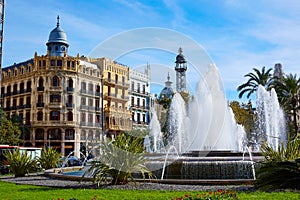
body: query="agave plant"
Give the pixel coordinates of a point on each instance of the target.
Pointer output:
(280, 169)
(50, 158)
(288, 152)
(20, 164)
(119, 160)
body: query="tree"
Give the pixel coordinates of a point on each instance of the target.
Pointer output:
(263, 77)
(288, 90)
(9, 132)
(244, 115)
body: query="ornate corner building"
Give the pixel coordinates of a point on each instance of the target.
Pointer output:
(59, 97)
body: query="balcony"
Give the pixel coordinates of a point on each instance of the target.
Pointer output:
(109, 81)
(70, 89)
(40, 104)
(55, 104)
(69, 105)
(40, 89)
(55, 88)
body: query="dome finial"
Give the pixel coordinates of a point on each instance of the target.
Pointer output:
(168, 76)
(57, 21)
(180, 50)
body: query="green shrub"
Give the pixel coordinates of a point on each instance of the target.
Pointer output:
(280, 169)
(20, 164)
(50, 158)
(119, 160)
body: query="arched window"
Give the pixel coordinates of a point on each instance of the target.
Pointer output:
(70, 116)
(39, 134)
(55, 81)
(41, 82)
(40, 116)
(54, 115)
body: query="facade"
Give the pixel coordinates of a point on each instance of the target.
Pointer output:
(117, 117)
(58, 97)
(180, 69)
(139, 98)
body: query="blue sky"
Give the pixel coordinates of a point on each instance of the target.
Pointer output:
(236, 34)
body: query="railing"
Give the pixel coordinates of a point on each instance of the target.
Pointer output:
(70, 89)
(40, 104)
(40, 88)
(69, 105)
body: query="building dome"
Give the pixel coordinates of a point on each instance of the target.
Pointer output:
(57, 44)
(58, 35)
(167, 91)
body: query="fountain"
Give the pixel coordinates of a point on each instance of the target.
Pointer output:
(271, 120)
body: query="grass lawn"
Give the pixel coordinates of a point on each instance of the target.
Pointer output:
(11, 191)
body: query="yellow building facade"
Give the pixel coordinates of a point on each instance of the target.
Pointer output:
(117, 117)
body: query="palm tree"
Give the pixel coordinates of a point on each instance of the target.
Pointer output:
(263, 77)
(288, 94)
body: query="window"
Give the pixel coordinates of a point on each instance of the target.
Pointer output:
(59, 63)
(70, 116)
(83, 117)
(28, 87)
(123, 80)
(116, 78)
(91, 87)
(54, 115)
(138, 102)
(108, 76)
(39, 134)
(138, 88)
(8, 89)
(40, 116)
(144, 103)
(132, 85)
(55, 81)
(91, 103)
(15, 88)
(70, 99)
(70, 83)
(41, 82)
(52, 62)
(98, 118)
(21, 87)
(144, 89)
(90, 118)
(132, 101)
(83, 86)
(28, 100)
(83, 101)
(40, 98)
(69, 134)
(21, 101)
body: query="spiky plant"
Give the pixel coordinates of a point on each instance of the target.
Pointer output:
(20, 164)
(280, 169)
(119, 160)
(50, 158)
